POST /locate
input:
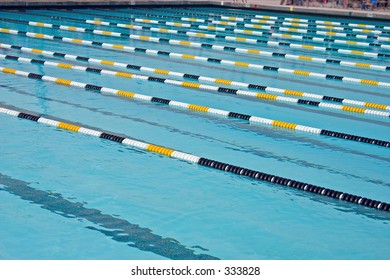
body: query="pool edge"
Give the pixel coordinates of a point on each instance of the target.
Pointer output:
(331, 12)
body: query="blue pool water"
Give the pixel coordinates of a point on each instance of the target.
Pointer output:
(66, 195)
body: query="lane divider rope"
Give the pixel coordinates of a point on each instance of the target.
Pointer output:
(335, 34)
(234, 17)
(187, 19)
(191, 13)
(194, 107)
(203, 13)
(210, 163)
(319, 25)
(193, 19)
(247, 25)
(230, 38)
(277, 19)
(280, 35)
(240, 21)
(207, 36)
(266, 89)
(191, 57)
(305, 58)
(255, 24)
(243, 50)
(294, 46)
(198, 86)
(339, 24)
(227, 38)
(376, 33)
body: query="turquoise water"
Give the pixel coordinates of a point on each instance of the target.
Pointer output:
(70, 196)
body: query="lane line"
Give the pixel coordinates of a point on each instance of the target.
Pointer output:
(199, 86)
(192, 57)
(194, 107)
(257, 52)
(210, 163)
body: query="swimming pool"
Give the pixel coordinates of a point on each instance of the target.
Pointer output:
(266, 102)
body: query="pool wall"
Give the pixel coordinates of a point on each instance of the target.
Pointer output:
(270, 5)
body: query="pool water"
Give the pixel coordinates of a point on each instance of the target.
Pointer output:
(66, 195)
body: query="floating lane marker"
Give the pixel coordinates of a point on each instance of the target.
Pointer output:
(197, 78)
(355, 30)
(332, 33)
(229, 23)
(197, 58)
(335, 23)
(205, 14)
(194, 107)
(257, 26)
(318, 24)
(226, 20)
(198, 86)
(235, 17)
(213, 36)
(190, 19)
(257, 18)
(226, 48)
(314, 23)
(252, 51)
(227, 38)
(349, 27)
(265, 20)
(295, 23)
(247, 40)
(214, 28)
(273, 27)
(225, 167)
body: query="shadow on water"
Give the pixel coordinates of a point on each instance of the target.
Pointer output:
(118, 229)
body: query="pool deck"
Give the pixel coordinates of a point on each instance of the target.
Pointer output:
(271, 5)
